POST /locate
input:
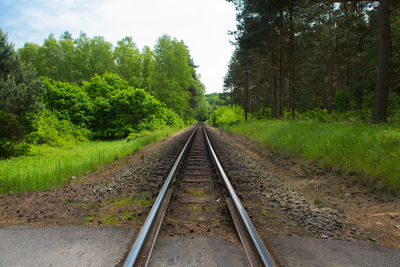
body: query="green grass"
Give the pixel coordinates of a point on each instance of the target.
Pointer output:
(359, 147)
(47, 167)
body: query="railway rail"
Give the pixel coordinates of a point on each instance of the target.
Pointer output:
(196, 166)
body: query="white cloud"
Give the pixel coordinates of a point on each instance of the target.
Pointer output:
(202, 25)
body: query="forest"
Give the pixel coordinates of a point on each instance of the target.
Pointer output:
(74, 90)
(335, 58)
(319, 80)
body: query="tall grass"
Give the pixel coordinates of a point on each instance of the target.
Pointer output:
(48, 166)
(361, 147)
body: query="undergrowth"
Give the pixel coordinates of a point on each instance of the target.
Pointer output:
(360, 147)
(46, 166)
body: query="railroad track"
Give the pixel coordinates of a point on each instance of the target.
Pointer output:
(197, 182)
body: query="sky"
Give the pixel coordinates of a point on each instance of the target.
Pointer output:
(202, 24)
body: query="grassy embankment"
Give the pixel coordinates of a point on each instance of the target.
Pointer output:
(47, 166)
(360, 147)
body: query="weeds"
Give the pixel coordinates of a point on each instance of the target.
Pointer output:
(47, 167)
(316, 201)
(263, 212)
(358, 147)
(196, 192)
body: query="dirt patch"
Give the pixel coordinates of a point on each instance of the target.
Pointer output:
(367, 215)
(114, 194)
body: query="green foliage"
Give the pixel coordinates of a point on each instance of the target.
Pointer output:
(104, 85)
(226, 115)
(12, 132)
(47, 167)
(168, 73)
(83, 95)
(20, 93)
(133, 108)
(50, 130)
(12, 149)
(12, 126)
(120, 109)
(217, 99)
(322, 115)
(136, 135)
(68, 60)
(343, 100)
(203, 110)
(68, 101)
(128, 61)
(7, 56)
(172, 75)
(315, 115)
(359, 147)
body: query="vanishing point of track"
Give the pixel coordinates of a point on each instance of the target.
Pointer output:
(196, 167)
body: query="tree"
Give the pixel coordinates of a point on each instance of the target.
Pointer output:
(330, 44)
(7, 60)
(128, 61)
(385, 52)
(66, 36)
(20, 95)
(101, 57)
(172, 75)
(147, 67)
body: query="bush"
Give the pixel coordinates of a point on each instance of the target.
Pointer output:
(315, 115)
(343, 101)
(120, 109)
(133, 136)
(10, 148)
(226, 115)
(48, 129)
(12, 134)
(67, 101)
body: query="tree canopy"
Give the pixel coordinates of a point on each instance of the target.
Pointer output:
(167, 72)
(301, 55)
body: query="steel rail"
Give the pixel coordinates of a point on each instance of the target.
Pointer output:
(135, 254)
(256, 252)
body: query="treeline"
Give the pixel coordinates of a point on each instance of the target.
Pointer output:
(305, 55)
(69, 91)
(167, 72)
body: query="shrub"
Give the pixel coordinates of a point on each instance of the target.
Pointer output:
(12, 135)
(315, 115)
(226, 115)
(343, 101)
(67, 101)
(10, 148)
(48, 129)
(120, 109)
(133, 136)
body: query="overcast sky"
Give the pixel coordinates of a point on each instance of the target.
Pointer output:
(201, 24)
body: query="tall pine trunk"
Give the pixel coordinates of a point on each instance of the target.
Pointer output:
(331, 93)
(324, 96)
(385, 51)
(280, 66)
(291, 63)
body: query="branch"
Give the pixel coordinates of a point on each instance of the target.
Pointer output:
(364, 35)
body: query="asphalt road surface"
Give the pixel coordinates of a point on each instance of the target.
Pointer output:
(106, 246)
